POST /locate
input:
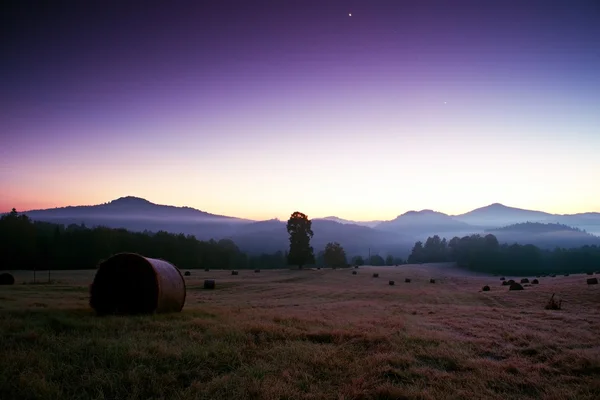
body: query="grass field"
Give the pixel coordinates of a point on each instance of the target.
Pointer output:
(307, 335)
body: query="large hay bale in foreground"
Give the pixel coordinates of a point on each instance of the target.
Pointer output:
(592, 281)
(516, 286)
(7, 279)
(128, 283)
(209, 284)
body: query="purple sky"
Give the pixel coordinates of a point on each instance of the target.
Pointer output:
(258, 109)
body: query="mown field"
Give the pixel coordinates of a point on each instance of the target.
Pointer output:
(307, 335)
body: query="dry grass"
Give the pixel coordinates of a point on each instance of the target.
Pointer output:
(307, 335)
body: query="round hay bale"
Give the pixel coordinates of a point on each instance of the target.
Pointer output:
(566, 275)
(516, 286)
(407, 280)
(510, 281)
(353, 272)
(234, 272)
(486, 288)
(535, 282)
(432, 281)
(375, 275)
(209, 284)
(206, 270)
(553, 276)
(257, 270)
(505, 283)
(128, 283)
(524, 280)
(503, 279)
(7, 279)
(356, 266)
(187, 273)
(392, 283)
(592, 281)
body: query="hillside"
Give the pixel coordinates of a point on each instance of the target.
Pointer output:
(544, 235)
(417, 223)
(498, 214)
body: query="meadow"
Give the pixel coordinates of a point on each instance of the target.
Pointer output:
(311, 334)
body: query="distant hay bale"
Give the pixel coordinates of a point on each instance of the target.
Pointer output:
(353, 272)
(516, 286)
(486, 288)
(432, 281)
(356, 266)
(234, 272)
(503, 278)
(7, 279)
(566, 275)
(553, 304)
(375, 275)
(407, 280)
(187, 273)
(391, 283)
(524, 280)
(129, 283)
(553, 276)
(209, 284)
(511, 281)
(535, 282)
(318, 268)
(592, 281)
(206, 270)
(505, 283)
(257, 270)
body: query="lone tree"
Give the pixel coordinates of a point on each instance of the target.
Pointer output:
(299, 228)
(335, 256)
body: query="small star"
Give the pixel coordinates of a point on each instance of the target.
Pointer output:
(350, 14)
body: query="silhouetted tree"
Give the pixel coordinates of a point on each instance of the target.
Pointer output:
(376, 260)
(299, 228)
(389, 260)
(335, 256)
(358, 260)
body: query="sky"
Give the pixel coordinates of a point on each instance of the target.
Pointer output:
(259, 109)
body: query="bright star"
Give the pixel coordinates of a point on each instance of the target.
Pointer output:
(350, 14)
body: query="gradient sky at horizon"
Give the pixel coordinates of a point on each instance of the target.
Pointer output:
(258, 109)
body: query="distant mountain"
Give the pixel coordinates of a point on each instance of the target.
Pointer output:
(272, 236)
(425, 222)
(497, 214)
(396, 236)
(544, 235)
(129, 208)
(137, 214)
(370, 224)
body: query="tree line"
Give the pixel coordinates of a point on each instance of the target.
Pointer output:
(486, 254)
(28, 244)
